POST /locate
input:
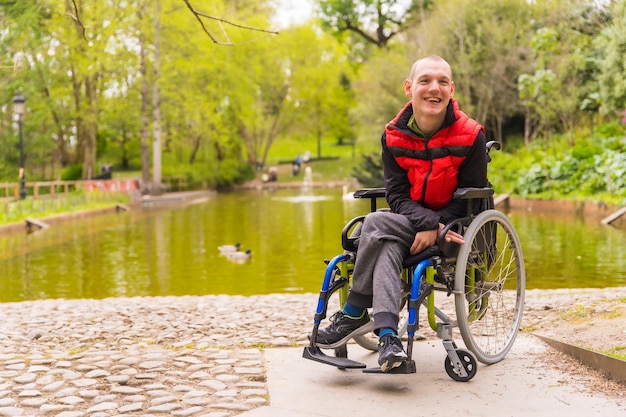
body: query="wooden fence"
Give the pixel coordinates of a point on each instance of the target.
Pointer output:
(47, 197)
(53, 189)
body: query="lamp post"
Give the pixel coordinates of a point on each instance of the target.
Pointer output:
(18, 107)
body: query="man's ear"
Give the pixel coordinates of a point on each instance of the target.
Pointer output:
(452, 89)
(407, 87)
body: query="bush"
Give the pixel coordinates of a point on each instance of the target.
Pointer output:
(369, 173)
(532, 182)
(72, 172)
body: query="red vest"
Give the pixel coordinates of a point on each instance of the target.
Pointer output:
(432, 165)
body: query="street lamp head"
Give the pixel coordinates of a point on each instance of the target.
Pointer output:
(19, 104)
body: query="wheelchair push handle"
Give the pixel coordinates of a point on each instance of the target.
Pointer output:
(492, 144)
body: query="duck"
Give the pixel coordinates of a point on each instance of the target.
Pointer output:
(224, 249)
(240, 256)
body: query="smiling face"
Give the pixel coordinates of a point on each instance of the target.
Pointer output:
(430, 87)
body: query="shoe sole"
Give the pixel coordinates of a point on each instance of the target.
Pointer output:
(393, 362)
(366, 328)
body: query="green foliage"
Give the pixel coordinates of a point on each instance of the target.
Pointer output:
(586, 149)
(369, 173)
(612, 130)
(72, 172)
(214, 174)
(368, 22)
(594, 166)
(268, 97)
(533, 181)
(232, 172)
(15, 211)
(612, 44)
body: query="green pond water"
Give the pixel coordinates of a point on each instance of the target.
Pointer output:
(173, 250)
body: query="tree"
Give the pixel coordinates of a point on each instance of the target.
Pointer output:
(323, 86)
(284, 88)
(379, 91)
(370, 172)
(612, 64)
(85, 29)
(538, 89)
(484, 44)
(24, 44)
(369, 22)
(156, 187)
(583, 24)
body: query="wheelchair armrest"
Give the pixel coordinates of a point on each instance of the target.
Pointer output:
(348, 241)
(472, 193)
(451, 249)
(413, 260)
(370, 193)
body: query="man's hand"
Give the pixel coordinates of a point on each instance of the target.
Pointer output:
(429, 237)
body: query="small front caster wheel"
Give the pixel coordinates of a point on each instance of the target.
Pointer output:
(467, 362)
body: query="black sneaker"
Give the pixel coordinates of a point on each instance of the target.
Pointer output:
(341, 329)
(390, 352)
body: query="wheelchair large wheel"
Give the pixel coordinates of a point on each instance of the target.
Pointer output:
(490, 283)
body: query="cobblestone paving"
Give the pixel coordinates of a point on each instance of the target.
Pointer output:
(178, 356)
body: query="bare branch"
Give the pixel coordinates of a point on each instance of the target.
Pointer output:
(273, 32)
(201, 22)
(76, 17)
(200, 15)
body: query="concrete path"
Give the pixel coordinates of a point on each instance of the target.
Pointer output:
(527, 383)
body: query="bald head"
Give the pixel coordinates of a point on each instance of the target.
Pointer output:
(431, 58)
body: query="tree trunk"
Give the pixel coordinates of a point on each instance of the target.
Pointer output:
(145, 119)
(156, 188)
(527, 127)
(194, 149)
(90, 128)
(61, 154)
(87, 110)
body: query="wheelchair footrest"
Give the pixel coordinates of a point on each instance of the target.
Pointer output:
(407, 367)
(314, 353)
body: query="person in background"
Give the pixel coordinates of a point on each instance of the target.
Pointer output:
(297, 164)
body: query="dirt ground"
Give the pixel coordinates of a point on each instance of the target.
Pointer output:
(593, 319)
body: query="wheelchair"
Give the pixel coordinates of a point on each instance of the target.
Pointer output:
(485, 276)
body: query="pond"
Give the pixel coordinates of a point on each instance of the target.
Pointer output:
(174, 250)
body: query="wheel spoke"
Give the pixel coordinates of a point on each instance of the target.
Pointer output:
(490, 285)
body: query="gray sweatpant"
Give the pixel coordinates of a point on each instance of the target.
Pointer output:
(384, 242)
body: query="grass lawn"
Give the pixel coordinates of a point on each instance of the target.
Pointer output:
(331, 163)
(16, 211)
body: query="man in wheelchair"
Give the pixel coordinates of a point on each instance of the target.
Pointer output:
(429, 149)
